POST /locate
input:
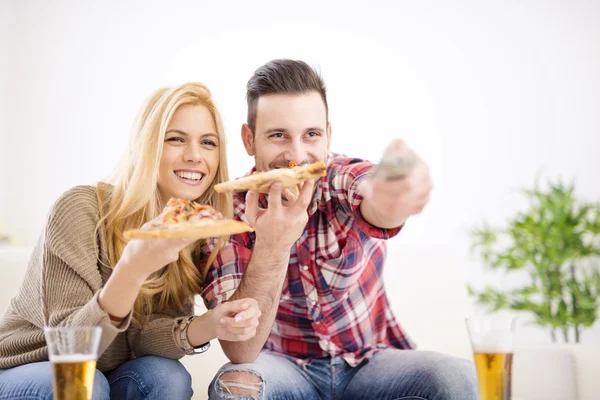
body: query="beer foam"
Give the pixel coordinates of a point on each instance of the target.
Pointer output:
(492, 344)
(72, 358)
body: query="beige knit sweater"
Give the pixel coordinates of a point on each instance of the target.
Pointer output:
(61, 288)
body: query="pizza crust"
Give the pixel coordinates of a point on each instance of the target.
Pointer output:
(193, 230)
(261, 182)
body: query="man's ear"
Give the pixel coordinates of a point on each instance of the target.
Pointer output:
(328, 135)
(248, 139)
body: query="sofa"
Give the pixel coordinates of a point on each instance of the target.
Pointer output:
(427, 290)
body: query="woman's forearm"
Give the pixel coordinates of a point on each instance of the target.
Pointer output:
(118, 296)
(201, 330)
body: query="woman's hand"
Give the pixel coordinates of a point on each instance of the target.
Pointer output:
(236, 320)
(144, 257)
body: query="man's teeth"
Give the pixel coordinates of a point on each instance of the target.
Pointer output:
(193, 176)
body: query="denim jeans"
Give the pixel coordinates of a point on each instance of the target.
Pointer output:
(389, 375)
(148, 377)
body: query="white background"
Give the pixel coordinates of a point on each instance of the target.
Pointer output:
(489, 93)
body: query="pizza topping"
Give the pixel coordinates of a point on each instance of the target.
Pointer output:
(183, 218)
(292, 164)
(179, 210)
(210, 213)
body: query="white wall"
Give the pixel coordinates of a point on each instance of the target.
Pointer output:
(488, 94)
(5, 40)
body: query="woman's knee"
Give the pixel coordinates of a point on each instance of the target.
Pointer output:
(101, 387)
(171, 372)
(34, 381)
(151, 377)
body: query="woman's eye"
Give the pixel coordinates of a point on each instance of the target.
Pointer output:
(175, 139)
(209, 143)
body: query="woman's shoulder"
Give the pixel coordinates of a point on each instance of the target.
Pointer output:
(77, 207)
(77, 199)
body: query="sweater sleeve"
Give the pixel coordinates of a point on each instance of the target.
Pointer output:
(157, 336)
(71, 280)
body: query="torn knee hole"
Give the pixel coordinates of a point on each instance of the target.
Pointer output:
(241, 383)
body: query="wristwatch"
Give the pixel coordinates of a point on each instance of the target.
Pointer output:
(187, 347)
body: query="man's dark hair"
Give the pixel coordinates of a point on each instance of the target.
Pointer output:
(282, 77)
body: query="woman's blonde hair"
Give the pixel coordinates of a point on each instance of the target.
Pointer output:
(134, 198)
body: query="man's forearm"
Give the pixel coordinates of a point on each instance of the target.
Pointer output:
(376, 216)
(262, 281)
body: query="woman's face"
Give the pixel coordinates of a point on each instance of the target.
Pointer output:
(190, 156)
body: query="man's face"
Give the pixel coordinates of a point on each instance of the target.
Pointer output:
(289, 127)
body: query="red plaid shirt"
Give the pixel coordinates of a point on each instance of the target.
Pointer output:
(333, 301)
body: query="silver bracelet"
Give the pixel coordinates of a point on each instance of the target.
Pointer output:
(187, 347)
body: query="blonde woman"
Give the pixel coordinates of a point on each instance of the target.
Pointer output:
(83, 272)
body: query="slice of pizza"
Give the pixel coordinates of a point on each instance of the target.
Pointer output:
(261, 181)
(188, 219)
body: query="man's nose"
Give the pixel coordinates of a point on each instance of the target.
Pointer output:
(297, 152)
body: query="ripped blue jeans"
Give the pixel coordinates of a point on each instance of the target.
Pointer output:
(389, 375)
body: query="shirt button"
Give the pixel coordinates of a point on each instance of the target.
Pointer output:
(313, 302)
(305, 268)
(298, 361)
(346, 295)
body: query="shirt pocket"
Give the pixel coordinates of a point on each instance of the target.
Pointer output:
(341, 274)
(291, 306)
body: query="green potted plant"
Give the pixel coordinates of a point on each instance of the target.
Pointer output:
(4, 238)
(555, 244)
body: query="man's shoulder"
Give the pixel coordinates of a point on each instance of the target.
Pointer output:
(337, 162)
(342, 170)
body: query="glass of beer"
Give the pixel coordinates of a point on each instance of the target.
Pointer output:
(73, 352)
(492, 343)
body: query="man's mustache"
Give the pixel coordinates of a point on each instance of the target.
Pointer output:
(285, 164)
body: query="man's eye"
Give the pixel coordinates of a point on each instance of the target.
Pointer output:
(313, 134)
(277, 135)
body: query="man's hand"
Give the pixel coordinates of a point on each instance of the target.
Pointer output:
(389, 201)
(280, 226)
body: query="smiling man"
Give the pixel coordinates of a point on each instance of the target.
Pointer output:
(314, 264)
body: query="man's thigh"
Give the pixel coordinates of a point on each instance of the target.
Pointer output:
(409, 374)
(269, 377)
